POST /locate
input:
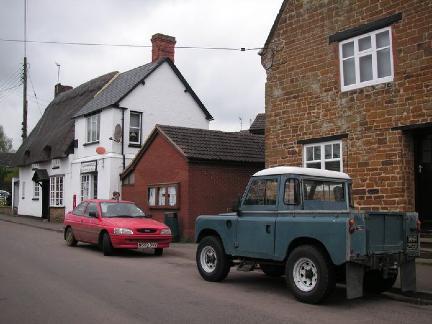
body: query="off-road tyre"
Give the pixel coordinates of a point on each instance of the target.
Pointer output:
(310, 274)
(212, 262)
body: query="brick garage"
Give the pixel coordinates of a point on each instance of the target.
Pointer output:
(208, 169)
(382, 127)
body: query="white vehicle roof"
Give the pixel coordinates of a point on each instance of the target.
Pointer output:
(304, 171)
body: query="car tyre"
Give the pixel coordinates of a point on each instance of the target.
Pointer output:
(70, 237)
(158, 252)
(212, 262)
(272, 270)
(310, 274)
(107, 247)
(374, 281)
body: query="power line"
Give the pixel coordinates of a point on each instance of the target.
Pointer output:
(7, 93)
(34, 93)
(241, 49)
(11, 79)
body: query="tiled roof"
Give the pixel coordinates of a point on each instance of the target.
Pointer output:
(53, 135)
(203, 144)
(208, 145)
(258, 125)
(125, 82)
(7, 159)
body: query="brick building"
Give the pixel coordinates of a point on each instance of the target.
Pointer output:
(349, 88)
(191, 172)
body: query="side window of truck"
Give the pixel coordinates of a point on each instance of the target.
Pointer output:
(323, 190)
(292, 192)
(262, 192)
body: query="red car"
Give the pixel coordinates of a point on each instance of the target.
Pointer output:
(113, 225)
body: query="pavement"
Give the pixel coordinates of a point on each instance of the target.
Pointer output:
(423, 296)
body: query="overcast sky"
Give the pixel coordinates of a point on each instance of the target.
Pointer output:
(230, 84)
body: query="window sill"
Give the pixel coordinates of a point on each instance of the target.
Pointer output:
(35, 199)
(90, 143)
(164, 207)
(135, 145)
(385, 81)
(57, 207)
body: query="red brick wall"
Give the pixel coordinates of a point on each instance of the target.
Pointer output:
(161, 163)
(304, 100)
(214, 188)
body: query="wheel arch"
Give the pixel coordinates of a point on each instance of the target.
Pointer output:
(207, 232)
(308, 241)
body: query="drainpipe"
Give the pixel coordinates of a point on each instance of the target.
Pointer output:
(123, 137)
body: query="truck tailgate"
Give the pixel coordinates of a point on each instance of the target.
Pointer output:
(385, 232)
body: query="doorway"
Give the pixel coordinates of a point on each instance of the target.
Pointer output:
(423, 178)
(45, 199)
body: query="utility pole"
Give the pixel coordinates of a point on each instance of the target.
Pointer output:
(24, 79)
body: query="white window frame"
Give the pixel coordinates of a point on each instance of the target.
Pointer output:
(323, 160)
(88, 192)
(139, 114)
(373, 50)
(57, 191)
(36, 190)
(92, 128)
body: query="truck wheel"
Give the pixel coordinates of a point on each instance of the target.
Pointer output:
(212, 262)
(375, 282)
(309, 274)
(272, 270)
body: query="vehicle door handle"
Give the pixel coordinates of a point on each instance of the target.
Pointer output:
(268, 229)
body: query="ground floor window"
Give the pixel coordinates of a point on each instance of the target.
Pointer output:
(165, 195)
(327, 156)
(88, 186)
(56, 191)
(36, 190)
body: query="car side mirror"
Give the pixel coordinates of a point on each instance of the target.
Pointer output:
(93, 214)
(236, 206)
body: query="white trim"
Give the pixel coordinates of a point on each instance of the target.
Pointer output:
(90, 122)
(372, 51)
(139, 128)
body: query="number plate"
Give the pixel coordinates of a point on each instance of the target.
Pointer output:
(144, 245)
(412, 242)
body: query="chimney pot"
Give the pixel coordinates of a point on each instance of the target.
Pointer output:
(59, 88)
(162, 46)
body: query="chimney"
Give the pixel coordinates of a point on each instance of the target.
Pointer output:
(59, 88)
(162, 46)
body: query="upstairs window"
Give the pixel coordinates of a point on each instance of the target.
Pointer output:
(326, 156)
(366, 60)
(93, 128)
(135, 128)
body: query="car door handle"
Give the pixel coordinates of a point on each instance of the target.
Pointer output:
(268, 229)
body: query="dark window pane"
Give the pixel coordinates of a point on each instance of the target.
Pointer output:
(262, 192)
(315, 165)
(328, 151)
(364, 43)
(309, 153)
(317, 152)
(336, 150)
(333, 166)
(291, 195)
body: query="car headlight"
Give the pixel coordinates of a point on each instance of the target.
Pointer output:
(123, 231)
(165, 231)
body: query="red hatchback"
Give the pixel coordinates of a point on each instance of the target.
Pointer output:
(113, 225)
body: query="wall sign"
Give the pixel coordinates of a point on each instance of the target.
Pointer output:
(87, 167)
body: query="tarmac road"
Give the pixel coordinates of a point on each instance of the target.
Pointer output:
(44, 281)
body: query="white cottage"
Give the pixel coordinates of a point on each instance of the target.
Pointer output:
(88, 135)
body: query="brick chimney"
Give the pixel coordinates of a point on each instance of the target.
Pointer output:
(59, 88)
(162, 46)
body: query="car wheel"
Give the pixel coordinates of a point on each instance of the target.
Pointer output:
(272, 270)
(158, 252)
(70, 238)
(375, 282)
(107, 247)
(310, 274)
(212, 262)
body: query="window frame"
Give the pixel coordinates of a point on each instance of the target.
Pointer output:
(90, 128)
(357, 54)
(165, 205)
(36, 191)
(297, 192)
(56, 196)
(139, 114)
(246, 206)
(323, 160)
(92, 186)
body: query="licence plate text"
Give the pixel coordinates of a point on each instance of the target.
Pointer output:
(144, 245)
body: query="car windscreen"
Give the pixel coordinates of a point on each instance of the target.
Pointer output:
(114, 209)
